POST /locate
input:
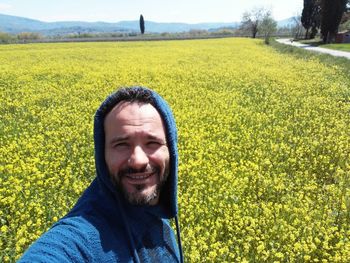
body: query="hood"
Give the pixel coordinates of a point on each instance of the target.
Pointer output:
(167, 207)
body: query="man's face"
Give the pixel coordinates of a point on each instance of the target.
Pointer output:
(136, 151)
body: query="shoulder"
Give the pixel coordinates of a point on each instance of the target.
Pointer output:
(69, 240)
(84, 238)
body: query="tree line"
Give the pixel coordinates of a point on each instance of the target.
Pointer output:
(318, 16)
(324, 16)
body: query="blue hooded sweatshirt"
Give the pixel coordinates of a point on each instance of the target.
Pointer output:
(103, 226)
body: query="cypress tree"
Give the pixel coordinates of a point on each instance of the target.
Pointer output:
(306, 16)
(310, 17)
(332, 12)
(142, 24)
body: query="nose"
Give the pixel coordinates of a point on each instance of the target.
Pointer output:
(138, 158)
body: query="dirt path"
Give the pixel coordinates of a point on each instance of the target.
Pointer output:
(336, 53)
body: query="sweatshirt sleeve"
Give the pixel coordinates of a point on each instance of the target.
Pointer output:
(64, 242)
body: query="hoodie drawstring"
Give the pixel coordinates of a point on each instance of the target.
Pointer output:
(179, 238)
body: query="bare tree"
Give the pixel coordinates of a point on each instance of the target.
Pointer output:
(252, 19)
(297, 28)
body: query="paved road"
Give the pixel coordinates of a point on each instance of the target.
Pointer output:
(317, 49)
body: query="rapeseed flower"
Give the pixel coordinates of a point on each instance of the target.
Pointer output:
(263, 140)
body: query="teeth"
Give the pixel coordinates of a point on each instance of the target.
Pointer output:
(138, 177)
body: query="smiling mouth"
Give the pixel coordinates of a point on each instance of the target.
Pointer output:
(138, 176)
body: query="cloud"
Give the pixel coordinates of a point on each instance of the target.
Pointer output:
(5, 7)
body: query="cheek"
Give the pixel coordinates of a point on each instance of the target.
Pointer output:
(114, 161)
(161, 158)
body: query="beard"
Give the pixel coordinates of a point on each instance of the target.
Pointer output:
(140, 195)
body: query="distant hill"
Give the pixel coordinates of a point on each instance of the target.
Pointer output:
(15, 25)
(286, 22)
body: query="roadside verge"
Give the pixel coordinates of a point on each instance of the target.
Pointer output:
(332, 52)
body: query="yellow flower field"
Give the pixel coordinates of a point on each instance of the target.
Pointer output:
(264, 142)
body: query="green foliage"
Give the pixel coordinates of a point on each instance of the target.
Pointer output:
(332, 12)
(82, 35)
(251, 21)
(267, 27)
(311, 17)
(142, 25)
(342, 47)
(258, 21)
(6, 38)
(29, 36)
(345, 23)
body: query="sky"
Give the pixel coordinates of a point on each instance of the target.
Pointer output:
(186, 11)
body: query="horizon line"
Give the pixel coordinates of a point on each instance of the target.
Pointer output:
(109, 22)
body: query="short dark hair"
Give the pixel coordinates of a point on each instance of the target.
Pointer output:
(129, 94)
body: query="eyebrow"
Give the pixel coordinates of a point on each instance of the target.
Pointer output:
(126, 138)
(154, 137)
(118, 139)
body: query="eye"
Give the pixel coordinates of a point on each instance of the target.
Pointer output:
(154, 144)
(120, 145)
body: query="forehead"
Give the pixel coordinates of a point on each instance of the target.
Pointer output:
(133, 114)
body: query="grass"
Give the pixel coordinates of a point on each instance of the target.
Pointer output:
(342, 47)
(317, 42)
(312, 42)
(329, 60)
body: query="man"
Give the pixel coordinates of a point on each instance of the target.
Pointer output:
(123, 215)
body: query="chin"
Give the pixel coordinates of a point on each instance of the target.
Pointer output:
(143, 196)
